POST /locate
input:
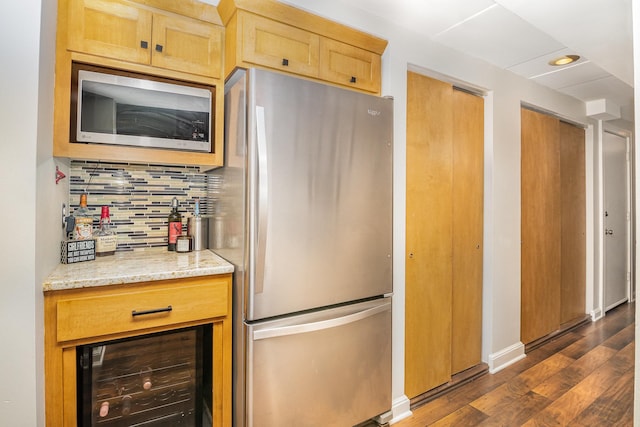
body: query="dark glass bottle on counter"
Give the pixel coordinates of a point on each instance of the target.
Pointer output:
(174, 226)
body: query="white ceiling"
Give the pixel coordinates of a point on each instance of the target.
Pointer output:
(523, 35)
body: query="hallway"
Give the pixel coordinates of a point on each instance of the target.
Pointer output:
(582, 378)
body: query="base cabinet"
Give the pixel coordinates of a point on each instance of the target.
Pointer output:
(81, 317)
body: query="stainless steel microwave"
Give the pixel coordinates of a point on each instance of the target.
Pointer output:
(122, 108)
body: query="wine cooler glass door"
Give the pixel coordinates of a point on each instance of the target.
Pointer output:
(152, 380)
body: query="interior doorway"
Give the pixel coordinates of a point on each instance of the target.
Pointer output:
(616, 221)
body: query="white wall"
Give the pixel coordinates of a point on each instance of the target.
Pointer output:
(49, 195)
(28, 249)
(501, 326)
(18, 121)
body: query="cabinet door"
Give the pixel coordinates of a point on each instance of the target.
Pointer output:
(349, 66)
(110, 28)
(184, 44)
(275, 45)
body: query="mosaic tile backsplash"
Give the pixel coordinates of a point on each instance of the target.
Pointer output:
(139, 197)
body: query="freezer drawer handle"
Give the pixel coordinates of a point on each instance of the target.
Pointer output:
(135, 313)
(317, 326)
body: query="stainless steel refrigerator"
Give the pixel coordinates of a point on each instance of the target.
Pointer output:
(304, 212)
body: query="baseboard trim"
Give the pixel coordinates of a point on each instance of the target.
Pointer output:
(456, 381)
(564, 328)
(401, 409)
(505, 357)
(596, 314)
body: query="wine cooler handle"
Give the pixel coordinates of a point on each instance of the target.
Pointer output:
(135, 313)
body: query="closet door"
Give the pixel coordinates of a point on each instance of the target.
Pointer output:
(540, 226)
(573, 242)
(468, 193)
(428, 234)
(445, 140)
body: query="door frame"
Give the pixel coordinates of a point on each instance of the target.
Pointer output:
(599, 308)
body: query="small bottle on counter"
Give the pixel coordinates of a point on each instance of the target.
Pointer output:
(106, 239)
(83, 229)
(174, 226)
(183, 244)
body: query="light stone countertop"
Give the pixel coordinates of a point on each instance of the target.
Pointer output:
(136, 266)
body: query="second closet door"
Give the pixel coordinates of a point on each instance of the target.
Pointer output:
(553, 259)
(541, 226)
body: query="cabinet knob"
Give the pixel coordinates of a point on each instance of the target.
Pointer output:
(159, 48)
(285, 62)
(353, 79)
(144, 44)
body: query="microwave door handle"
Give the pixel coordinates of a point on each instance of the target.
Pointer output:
(263, 188)
(317, 326)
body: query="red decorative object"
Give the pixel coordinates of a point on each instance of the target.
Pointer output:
(59, 175)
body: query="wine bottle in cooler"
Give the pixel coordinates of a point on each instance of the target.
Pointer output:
(174, 226)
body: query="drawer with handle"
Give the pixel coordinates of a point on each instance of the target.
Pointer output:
(105, 312)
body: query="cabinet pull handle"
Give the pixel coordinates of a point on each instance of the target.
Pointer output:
(353, 79)
(285, 62)
(135, 313)
(158, 48)
(144, 44)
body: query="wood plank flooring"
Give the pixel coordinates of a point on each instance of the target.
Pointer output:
(582, 378)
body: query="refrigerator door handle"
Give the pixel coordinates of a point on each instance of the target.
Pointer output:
(317, 326)
(263, 188)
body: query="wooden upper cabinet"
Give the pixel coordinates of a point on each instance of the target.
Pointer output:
(270, 34)
(277, 45)
(110, 28)
(132, 33)
(349, 65)
(187, 45)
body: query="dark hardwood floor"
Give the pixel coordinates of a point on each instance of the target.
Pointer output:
(582, 378)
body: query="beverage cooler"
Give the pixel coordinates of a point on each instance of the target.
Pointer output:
(153, 380)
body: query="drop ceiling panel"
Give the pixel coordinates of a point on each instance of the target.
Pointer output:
(428, 17)
(499, 37)
(540, 65)
(598, 29)
(608, 87)
(581, 73)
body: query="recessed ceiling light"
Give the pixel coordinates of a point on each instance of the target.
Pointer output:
(564, 60)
